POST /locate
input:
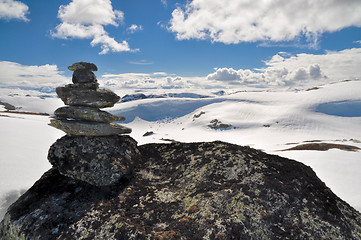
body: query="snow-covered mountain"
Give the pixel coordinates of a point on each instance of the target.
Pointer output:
(272, 120)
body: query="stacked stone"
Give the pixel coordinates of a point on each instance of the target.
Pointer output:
(94, 149)
(82, 116)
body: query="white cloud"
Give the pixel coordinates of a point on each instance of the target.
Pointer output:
(164, 2)
(141, 62)
(224, 74)
(25, 76)
(156, 80)
(135, 28)
(90, 12)
(297, 70)
(85, 19)
(11, 9)
(281, 70)
(249, 21)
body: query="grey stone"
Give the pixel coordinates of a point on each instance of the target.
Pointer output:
(99, 161)
(216, 124)
(211, 190)
(8, 106)
(79, 86)
(83, 76)
(79, 128)
(83, 66)
(87, 114)
(99, 98)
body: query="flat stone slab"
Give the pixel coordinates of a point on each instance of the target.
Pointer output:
(83, 66)
(82, 128)
(93, 85)
(99, 161)
(87, 114)
(99, 98)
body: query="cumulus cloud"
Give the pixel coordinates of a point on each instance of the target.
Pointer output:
(85, 19)
(225, 74)
(11, 9)
(156, 80)
(297, 70)
(281, 70)
(134, 28)
(30, 76)
(250, 21)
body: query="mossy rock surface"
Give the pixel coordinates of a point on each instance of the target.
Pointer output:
(191, 191)
(98, 161)
(87, 128)
(86, 114)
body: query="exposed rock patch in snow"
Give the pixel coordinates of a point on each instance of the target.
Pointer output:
(323, 147)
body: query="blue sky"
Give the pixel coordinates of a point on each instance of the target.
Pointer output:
(195, 43)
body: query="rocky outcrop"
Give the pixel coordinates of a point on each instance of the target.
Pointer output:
(191, 191)
(8, 106)
(216, 124)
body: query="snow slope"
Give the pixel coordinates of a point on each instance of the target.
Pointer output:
(270, 120)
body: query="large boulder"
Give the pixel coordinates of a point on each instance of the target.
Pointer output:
(99, 98)
(86, 114)
(99, 161)
(187, 191)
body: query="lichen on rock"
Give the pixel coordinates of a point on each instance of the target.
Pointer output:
(99, 161)
(190, 191)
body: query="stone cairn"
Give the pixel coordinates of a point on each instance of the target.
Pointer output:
(95, 149)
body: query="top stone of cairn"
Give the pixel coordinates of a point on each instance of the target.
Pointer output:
(83, 66)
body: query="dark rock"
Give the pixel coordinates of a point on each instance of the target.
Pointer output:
(188, 191)
(53, 208)
(99, 161)
(83, 66)
(8, 106)
(82, 128)
(148, 134)
(87, 114)
(216, 124)
(83, 76)
(198, 115)
(80, 86)
(133, 97)
(99, 98)
(323, 147)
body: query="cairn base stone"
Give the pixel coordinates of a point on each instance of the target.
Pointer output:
(82, 128)
(86, 114)
(99, 161)
(99, 98)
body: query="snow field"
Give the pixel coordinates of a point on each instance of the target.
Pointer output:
(266, 120)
